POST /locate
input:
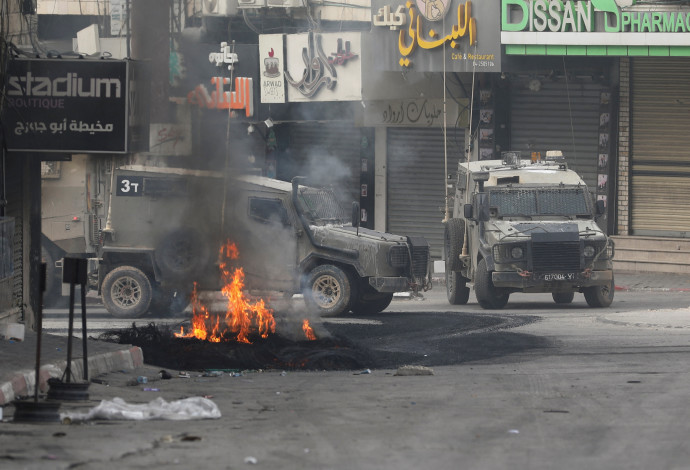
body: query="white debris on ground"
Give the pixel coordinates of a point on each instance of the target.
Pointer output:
(414, 370)
(118, 409)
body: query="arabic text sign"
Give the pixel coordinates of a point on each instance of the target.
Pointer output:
(324, 66)
(222, 98)
(271, 67)
(66, 106)
(412, 113)
(452, 36)
(170, 139)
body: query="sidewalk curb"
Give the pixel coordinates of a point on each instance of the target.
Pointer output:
(652, 289)
(22, 384)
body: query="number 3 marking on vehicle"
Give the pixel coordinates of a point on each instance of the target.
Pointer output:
(127, 185)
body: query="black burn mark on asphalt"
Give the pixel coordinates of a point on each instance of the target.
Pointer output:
(402, 338)
(438, 339)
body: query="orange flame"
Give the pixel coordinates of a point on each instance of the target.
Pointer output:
(242, 317)
(308, 330)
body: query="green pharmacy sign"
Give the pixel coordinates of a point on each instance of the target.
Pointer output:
(594, 27)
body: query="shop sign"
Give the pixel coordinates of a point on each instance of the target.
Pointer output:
(222, 96)
(324, 67)
(573, 22)
(70, 106)
(412, 113)
(271, 67)
(435, 36)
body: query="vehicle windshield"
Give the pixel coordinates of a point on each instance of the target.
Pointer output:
(321, 206)
(570, 202)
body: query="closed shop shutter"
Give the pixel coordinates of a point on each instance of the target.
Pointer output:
(660, 175)
(416, 178)
(11, 289)
(559, 116)
(327, 153)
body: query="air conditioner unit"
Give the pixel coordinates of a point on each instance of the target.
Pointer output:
(251, 3)
(219, 7)
(286, 3)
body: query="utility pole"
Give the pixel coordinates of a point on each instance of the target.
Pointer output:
(150, 39)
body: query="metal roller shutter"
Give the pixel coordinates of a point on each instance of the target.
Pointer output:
(660, 112)
(328, 153)
(559, 116)
(11, 289)
(416, 193)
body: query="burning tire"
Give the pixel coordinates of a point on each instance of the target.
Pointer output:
(488, 295)
(126, 292)
(328, 290)
(599, 296)
(182, 255)
(563, 297)
(456, 288)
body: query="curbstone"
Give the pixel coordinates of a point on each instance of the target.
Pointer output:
(23, 382)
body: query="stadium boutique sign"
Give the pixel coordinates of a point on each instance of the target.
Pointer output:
(588, 23)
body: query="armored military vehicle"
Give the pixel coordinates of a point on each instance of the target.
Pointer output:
(165, 228)
(522, 226)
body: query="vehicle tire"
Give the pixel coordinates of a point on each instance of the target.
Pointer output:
(454, 236)
(126, 292)
(53, 293)
(329, 290)
(373, 304)
(563, 297)
(599, 296)
(488, 295)
(182, 255)
(458, 293)
(169, 302)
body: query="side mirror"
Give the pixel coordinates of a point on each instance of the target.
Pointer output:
(468, 211)
(601, 207)
(355, 214)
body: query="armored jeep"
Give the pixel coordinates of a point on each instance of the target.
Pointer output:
(525, 227)
(166, 227)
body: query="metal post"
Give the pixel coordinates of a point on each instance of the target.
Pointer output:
(83, 330)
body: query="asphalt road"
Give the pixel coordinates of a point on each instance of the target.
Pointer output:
(533, 386)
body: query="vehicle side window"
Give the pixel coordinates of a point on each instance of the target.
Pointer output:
(268, 211)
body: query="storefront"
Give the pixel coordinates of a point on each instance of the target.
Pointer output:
(649, 46)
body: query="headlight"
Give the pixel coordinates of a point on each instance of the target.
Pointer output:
(516, 252)
(589, 251)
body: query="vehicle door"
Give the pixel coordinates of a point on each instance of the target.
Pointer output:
(268, 246)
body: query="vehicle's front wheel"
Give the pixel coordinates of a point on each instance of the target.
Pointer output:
(454, 236)
(53, 292)
(126, 292)
(329, 290)
(563, 297)
(169, 302)
(488, 295)
(599, 296)
(370, 301)
(458, 293)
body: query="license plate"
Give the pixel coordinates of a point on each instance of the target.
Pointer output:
(559, 277)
